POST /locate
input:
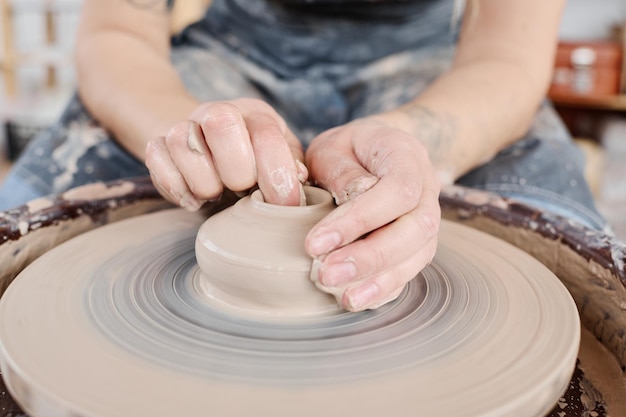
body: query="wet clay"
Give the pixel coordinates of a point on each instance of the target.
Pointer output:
(252, 257)
(28, 231)
(118, 307)
(597, 385)
(590, 263)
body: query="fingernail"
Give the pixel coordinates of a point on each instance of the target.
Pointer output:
(355, 189)
(193, 139)
(324, 243)
(303, 172)
(214, 199)
(361, 296)
(315, 271)
(162, 190)
(189, 203)
(302, 195)
(335, 275)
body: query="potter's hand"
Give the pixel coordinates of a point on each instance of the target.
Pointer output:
(233, 144)
(387, 192)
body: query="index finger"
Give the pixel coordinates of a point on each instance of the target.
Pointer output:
(405, 181)
(226, 135)
(278, 174)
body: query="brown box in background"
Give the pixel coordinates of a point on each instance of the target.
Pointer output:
(587, 69)
(621, 36)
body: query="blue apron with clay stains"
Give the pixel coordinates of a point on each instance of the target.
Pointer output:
(319, 66)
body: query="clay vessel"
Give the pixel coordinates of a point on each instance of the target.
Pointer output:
(252, 258)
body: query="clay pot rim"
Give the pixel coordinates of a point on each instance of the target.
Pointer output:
(315, 198)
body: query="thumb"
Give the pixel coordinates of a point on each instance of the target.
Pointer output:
(340, 173)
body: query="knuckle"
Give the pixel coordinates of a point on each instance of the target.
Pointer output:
(178, 129)
(423, 225)
(177, 135)
(268, 133)
(357, 185)
(262, 109)
(407, 192)
(432, 249)
(397, 279)
(259, 106)
(153, 151)
(435, 216)
(360, 220)
(221, 116)
(378, 258)
(150, 152)
(206, 190)
(429, 225)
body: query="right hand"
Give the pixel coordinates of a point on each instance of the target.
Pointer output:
(234, 144)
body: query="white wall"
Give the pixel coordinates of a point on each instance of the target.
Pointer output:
(591, 19)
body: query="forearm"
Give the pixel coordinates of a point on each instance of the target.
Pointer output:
(132, 90)
(125, 77)
(498, 79)
(470, 113)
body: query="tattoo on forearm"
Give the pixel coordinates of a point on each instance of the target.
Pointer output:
(437, 132)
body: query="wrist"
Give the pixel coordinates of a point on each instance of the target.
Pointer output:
(151, 121)
(435, 131)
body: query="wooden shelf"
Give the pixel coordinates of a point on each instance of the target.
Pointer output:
(609, 103)
(50, 57)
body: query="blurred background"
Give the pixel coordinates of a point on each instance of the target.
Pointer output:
(589, 83)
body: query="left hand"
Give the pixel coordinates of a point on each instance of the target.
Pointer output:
(385, 228)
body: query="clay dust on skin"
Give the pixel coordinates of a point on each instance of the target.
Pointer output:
(282, 184)
(193, 139)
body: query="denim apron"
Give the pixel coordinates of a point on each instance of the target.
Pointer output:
(319, 65)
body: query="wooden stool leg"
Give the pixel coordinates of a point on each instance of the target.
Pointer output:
(51, 71)
(8, 66)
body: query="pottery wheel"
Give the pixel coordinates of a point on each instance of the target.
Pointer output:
(113, 323)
